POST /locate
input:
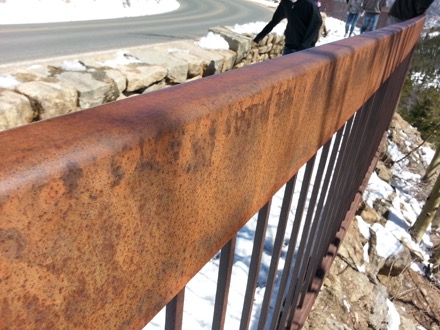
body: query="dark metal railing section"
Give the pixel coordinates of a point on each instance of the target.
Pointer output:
(108, 213)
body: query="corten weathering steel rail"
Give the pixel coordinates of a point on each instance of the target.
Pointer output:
(107, 213)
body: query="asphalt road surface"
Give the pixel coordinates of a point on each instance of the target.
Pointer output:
(24, 43)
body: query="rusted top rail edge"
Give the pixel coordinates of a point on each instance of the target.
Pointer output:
(106, 213)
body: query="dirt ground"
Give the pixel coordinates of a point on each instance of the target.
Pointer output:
(417, 295)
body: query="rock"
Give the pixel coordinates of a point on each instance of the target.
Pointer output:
(278, 39)
(382, 207)
(155, 87)
(94, 88)
(230, 58)
(33, 73)
(271, 38)
(368, 214)
(328, 323)
(177, 68)
(15, 110)
(383, 172)
(41, 71)
(23, 76)
(119, 79)
(405, 323)
(212, 62)
(195, 63)
(407, 138)
(398, 124)
(265, 49)
(239, 43)
(351, 302)
(141, 76)
(397, 263)
(50, 99)
(352, 252)
(377, 307)
(376, 262)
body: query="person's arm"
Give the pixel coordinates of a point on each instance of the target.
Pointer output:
(311, 36)
(277, 17)
(423, 5)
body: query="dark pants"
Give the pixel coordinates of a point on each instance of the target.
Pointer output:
(287, 51)
(350, 23)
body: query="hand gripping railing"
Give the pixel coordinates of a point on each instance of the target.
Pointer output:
(107, 213)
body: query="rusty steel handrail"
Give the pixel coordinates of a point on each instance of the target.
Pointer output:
(107, 213)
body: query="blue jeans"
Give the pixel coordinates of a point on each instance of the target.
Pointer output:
(370, 22)
(350, 23)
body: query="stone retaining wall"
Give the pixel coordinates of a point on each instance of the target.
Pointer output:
(47, 90)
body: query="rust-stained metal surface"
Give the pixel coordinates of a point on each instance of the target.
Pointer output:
(105, 214)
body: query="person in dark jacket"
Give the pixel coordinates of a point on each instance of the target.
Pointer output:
(402, 10)
(303, 24)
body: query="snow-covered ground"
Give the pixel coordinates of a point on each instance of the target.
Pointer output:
(200, 293)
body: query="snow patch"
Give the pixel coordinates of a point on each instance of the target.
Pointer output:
(393, 316)
(8, 81)
(213, 41)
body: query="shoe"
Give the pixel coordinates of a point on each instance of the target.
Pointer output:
(345, 35)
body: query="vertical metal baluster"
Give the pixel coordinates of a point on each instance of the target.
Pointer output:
(174, 312)
(257, 250)
(223, 284)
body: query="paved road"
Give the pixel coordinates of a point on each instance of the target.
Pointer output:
(20, 43)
